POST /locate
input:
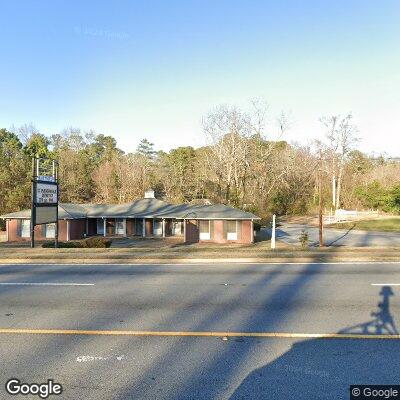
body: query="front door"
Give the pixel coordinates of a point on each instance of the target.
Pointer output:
(139, 227)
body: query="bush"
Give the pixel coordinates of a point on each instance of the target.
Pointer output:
(257, 226)
(303, 238)
(96, 242)
(374, 195)
(93, 242)
(61, 245)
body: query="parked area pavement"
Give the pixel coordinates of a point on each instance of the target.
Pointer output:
(362, 300)
(290, 233)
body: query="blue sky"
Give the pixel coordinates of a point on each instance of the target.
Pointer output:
(138, 69)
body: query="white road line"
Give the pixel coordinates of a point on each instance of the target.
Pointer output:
(385, 284)
(44, 284)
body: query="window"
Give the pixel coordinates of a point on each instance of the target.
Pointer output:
(25, 228)
(100, 226)
(50, 231)
(231, 230)
(204, 228)
(119, 226)
(177, 228)
(157, 227)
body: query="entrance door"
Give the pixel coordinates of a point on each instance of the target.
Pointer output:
(100, 226)
(139, 227)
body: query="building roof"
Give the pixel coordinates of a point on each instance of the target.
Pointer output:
(65, 211)
(214, 211)
(143, 208)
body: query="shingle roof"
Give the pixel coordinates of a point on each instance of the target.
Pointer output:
(65, 211)
(150, 208)
(214, 211)
(139, 208)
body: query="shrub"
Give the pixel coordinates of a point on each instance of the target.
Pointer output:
(303, 238)
(257, 226)
(96, 242)
(61, 245)
(93, 242)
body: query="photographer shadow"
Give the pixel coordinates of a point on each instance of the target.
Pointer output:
(325, 368)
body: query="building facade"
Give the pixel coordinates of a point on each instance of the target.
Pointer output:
(148, 217)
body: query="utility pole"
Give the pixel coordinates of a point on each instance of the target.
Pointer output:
(321, 203)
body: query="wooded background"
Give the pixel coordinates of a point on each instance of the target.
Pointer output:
(240, 166)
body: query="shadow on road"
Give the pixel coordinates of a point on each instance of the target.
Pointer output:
(325, 368)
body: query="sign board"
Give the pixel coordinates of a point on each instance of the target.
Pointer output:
(46, 193)
(44, 196)
(45, 215)
(46, 178)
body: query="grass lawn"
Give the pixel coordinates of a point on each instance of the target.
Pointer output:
(383, 224)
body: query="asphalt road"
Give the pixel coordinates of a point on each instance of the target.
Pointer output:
(290, 233)
(297, 299)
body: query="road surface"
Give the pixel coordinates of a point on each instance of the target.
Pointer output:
(291, 301)
(290, 233)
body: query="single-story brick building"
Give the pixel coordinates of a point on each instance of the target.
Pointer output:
(148, 217)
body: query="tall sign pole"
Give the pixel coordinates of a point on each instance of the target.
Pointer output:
(55, 177)
(45, 193)
(33, 214)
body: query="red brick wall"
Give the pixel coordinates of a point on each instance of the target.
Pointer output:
(130, 226)
(149, 227)
(13, 232)
(247, 234)
(192, 232)
(77, 229)
(218, 236)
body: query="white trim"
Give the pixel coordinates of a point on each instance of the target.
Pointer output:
(22, 235)
(163, 227)
(143, 227)
(7, 229)
(68, 232)
(234, 235)
(148, 216)
(206, 235)
(105, 227)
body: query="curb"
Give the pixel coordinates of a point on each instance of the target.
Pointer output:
(136, 261)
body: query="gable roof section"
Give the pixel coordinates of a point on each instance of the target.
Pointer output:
(139, 209)
(143, 208)
(214, 211)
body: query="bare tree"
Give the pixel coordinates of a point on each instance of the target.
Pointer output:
(341, 135)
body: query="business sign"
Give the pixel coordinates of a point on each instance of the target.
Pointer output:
(46, 178)
(45, 215)
(44, 196)
(46, 193)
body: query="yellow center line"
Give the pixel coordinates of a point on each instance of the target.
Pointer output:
(196, 334)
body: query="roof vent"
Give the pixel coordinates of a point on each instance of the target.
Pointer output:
(149, 194)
